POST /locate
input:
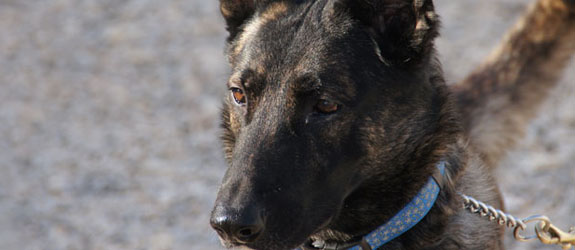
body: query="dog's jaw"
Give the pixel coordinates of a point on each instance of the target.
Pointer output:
(329, 235)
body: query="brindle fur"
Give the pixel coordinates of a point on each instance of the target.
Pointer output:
(336, 177)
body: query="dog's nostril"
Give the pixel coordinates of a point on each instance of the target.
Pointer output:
(222, 223)
(248, 234)
(240, 225)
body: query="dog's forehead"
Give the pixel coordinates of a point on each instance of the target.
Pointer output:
(285, 41)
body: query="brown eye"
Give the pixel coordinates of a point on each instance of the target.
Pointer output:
(326, 107)
(239, 96)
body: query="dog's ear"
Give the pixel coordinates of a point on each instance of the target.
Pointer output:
(403, 29)
(236, 12)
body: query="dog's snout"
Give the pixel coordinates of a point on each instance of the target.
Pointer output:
(238, 225)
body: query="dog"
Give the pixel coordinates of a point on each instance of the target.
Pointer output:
(338, 117)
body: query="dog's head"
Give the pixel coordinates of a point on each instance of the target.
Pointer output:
(329, 101)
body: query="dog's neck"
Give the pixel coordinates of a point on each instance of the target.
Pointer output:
(388, 196)
(403, 221)
(428, 229)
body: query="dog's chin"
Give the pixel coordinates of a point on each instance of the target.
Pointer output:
(285, 242)
(260, 246)
(263, 244)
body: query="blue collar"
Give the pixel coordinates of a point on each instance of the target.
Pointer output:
(407, 218)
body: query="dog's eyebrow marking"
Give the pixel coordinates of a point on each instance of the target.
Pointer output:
(378, 52)
(274, 11)
(254, 25)
(307, 83)
(250, 31)
(240, 79)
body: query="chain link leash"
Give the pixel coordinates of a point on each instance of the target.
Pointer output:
(545, 231)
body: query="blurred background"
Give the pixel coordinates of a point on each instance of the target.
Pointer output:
(109, 122)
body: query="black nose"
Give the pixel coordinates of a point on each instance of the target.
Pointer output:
(240, 225)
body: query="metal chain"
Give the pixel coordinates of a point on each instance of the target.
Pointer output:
(546, 232)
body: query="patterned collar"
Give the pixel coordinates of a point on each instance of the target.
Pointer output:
(407, 218)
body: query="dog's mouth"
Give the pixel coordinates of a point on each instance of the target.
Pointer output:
(286, 240)
(293, 225)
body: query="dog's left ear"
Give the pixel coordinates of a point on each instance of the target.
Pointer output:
(403, 29)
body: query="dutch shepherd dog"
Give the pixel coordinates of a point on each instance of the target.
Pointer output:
(338, 114)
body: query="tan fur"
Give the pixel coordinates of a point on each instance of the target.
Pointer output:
(498, 100)
(274, 11)
(249, 32)
(226, 12)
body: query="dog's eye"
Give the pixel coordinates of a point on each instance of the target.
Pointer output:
(238, 96)
(326, 107)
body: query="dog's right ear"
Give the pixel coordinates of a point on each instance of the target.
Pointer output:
(236, 12)
(403, 29)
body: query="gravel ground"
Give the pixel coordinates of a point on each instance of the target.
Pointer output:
(109, 122)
